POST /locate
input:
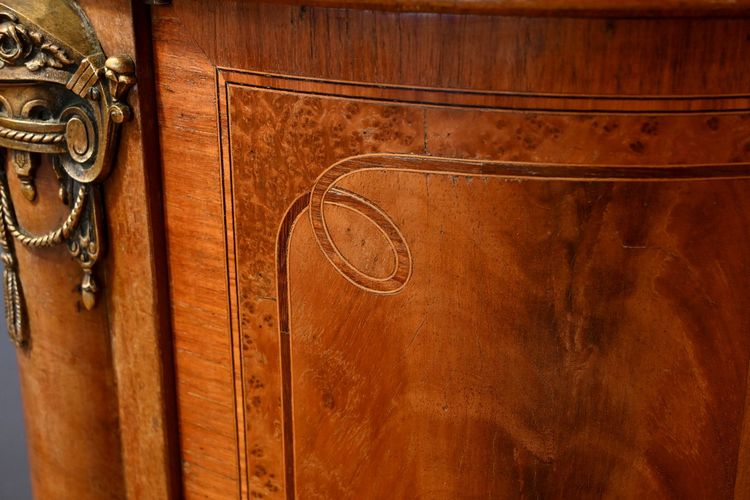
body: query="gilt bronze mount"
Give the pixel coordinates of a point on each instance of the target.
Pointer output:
(60, 96)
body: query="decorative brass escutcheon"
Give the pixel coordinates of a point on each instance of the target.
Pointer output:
(59, 96)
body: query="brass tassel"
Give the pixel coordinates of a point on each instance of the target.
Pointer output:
(13, 301)
(13, 307)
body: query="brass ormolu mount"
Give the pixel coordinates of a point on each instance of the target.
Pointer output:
(59, 96)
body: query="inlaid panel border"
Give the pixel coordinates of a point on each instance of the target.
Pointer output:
(511, 101)
(311, 201)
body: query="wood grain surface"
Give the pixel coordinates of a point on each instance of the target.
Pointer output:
(621, 8)
(583, 337)
(194, 216)
(555, 340)
(572, 56)
(137, 286)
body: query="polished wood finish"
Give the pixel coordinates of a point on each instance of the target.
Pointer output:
(137, 287)
(570, 56)
(566, 316)
(193, 205)
(533, 381)
(620, 8)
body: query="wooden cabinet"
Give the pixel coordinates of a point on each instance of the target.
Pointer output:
(418, 249)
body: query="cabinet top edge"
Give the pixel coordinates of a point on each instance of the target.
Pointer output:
(583, 8)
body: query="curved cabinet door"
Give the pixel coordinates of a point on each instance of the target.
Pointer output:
(448, 256)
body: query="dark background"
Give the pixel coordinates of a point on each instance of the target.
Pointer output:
(14, 462)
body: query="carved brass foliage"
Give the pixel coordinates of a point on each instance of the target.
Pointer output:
(59, 96)
(21, 44)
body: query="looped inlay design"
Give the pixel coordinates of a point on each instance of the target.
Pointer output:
(324, 193)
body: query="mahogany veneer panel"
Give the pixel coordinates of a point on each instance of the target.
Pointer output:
(572, 56)
(627, 8)
(556, 339)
